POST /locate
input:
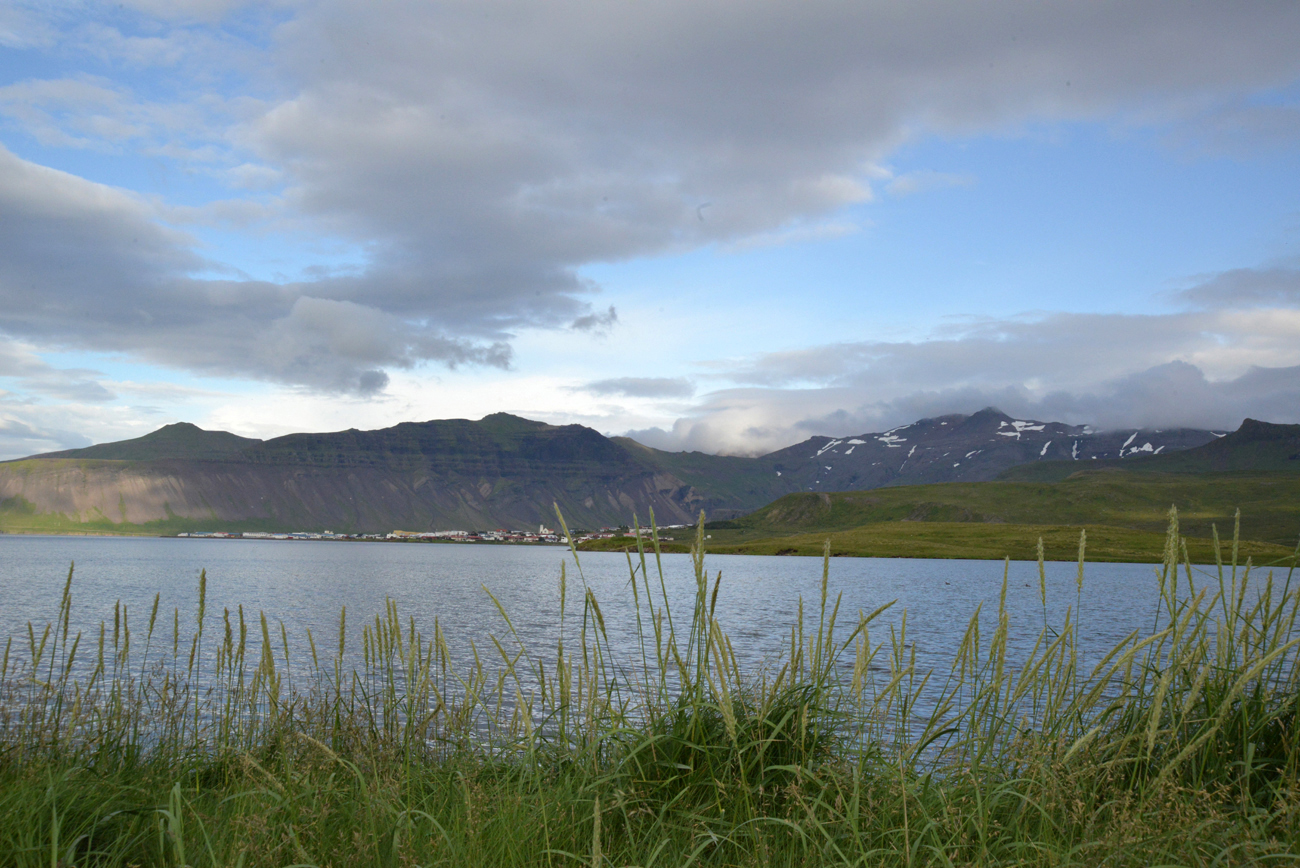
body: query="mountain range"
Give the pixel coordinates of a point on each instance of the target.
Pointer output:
(505, 471)
(1255, 469)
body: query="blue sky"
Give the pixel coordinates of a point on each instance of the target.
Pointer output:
(713, 226)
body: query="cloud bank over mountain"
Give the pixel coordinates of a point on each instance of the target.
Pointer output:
(1206, 368)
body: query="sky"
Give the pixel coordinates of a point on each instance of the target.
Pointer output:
(714, 225)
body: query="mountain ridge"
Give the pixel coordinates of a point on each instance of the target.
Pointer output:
(504, 470)
(1255, 446)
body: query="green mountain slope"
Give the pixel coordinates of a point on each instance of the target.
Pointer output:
(1269, 504)
(724, 484)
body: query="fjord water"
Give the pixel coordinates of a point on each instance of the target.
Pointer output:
(305, 584)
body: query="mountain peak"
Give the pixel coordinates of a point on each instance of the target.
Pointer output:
(1255, 430)
(179, 440)
(506, 422)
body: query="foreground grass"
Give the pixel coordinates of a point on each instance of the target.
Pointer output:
(221, 744)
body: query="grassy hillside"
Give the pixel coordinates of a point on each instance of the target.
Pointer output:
(1126, 514)
(964, 540)
(1269, 504)
(980, 541)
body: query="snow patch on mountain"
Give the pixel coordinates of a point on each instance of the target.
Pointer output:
(829, 445)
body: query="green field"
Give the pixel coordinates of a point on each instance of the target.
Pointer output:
(18, 516)
(211, 739)
(1269, 504)
(911, 539)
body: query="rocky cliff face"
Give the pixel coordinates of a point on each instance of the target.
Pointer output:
(359, 499)
(499, 472)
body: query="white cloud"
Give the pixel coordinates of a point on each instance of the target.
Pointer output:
(923, 181)
(23, 28)
(23, 368)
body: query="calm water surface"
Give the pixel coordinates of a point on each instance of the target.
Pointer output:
(305, 584)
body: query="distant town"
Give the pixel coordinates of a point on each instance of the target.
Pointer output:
(542, 536)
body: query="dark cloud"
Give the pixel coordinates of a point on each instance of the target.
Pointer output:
(502, 133)
(1247, 287)
(1178, 394)
(643, 387)
(86, 266)
(600, 323)
(1240, 128)
(19, 438)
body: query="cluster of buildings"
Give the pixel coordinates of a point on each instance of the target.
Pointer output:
(543, 534)
(257, 534)
(611, 532)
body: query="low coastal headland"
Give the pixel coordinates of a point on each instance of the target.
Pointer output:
(1124, 513)
(965, 541)
(214, 738)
